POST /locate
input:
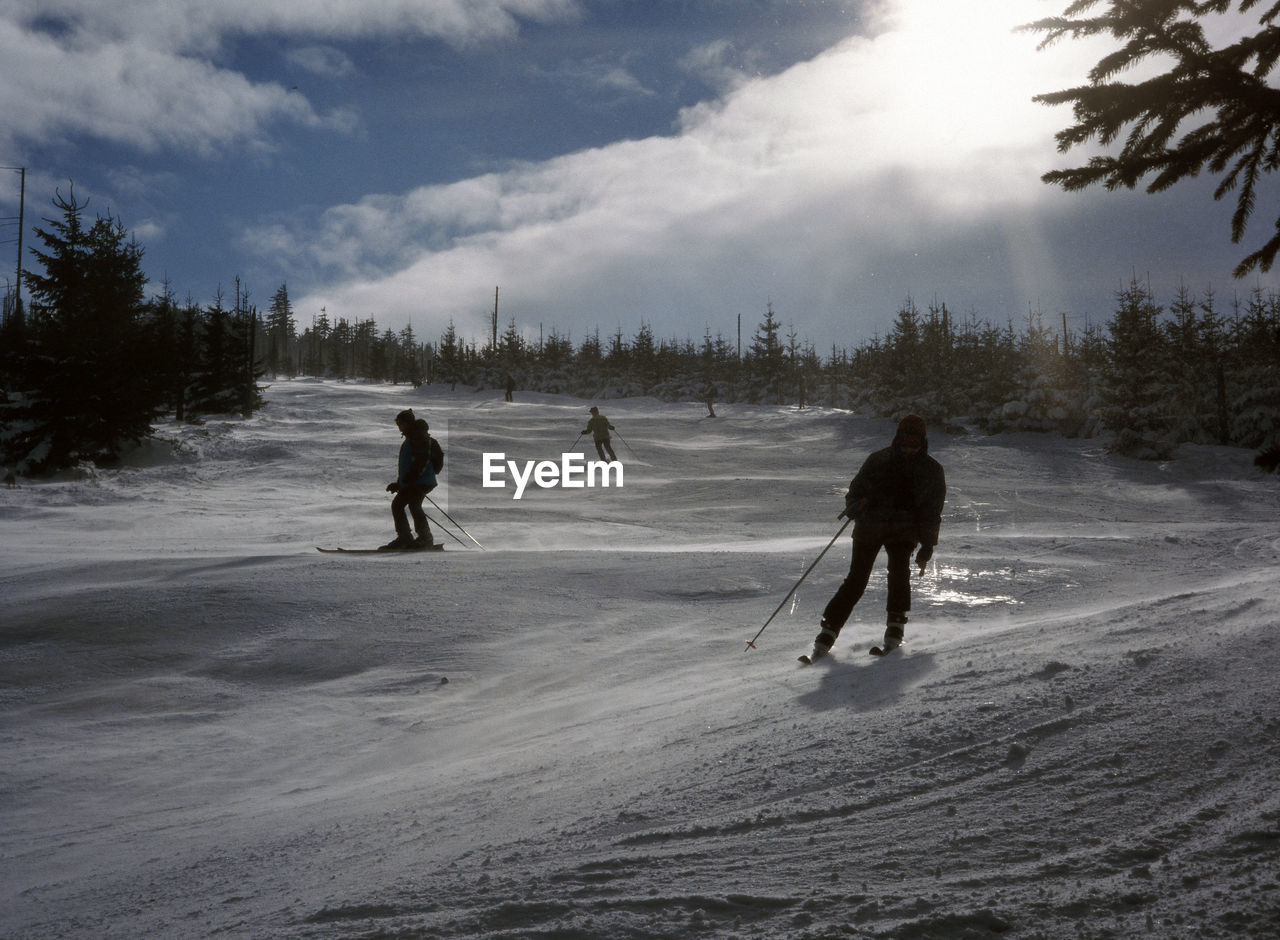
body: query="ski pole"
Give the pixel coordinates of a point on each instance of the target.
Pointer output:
(751, 643)
(624, 441)
(446, 531)
(575, 443)
(455, 522)
(440, 525)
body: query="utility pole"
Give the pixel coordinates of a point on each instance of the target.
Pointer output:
(17, 284)
(22, 196)
(495, 320)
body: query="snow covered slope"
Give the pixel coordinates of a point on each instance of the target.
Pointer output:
(208, 728)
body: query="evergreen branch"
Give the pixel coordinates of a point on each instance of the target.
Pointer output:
(1262, 259)
(1248, 194)
(1267, 17)
(1241, 137)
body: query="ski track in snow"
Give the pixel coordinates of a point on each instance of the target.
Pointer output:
(211, 729)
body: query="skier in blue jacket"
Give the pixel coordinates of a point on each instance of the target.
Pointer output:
(416, 478)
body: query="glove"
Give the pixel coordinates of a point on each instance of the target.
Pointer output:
(855, 507)
(923, 556)
(393, 487)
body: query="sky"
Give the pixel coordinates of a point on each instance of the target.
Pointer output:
(605, 164)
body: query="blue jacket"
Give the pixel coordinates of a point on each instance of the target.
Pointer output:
(415, 461)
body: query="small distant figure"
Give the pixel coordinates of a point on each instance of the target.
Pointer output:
(598, 427)
(10, 480)
(416, 478)
(511, 387)
(708, 395)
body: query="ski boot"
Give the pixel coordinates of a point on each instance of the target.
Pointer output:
(423, 541)
(399, 543)
(893, 631)
(821, 645)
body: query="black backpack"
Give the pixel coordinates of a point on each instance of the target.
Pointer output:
(437, 455)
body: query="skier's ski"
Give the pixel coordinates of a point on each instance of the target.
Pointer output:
(809, 658)
(380, 551)
(880, 651)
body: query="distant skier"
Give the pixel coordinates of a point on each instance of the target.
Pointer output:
(599, 427)
(511, 387)
(896, 503)
(416, 478)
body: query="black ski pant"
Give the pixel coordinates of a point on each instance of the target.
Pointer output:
(409, 498)
(850, 592)
(602, 445)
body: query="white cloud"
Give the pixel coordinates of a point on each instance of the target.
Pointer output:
(617, 79)
(710, 63)
(198, 25)
(145, 71)
(148, 231)
(607, 76)
(815, 176)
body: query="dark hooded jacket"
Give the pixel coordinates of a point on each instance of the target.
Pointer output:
(415, 467)
(898, 498)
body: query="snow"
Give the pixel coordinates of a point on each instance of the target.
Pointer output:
(209, 728)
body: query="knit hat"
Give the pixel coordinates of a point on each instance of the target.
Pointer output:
(594, 410)
(405, 417)
(911, 426)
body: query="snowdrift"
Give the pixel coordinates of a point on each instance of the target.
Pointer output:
(211, 729)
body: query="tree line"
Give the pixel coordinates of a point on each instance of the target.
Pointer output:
(90, 363)
(1152, 377)
(93, 363)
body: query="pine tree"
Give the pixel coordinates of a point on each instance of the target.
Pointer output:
(281, 330)
(643, 356)
(512, 356)
(1213, 107)
(409, 362)
(1195, 370)
(315, 344)
(1137, 384)
(210, 391)
(246, 324)
(166, 320)
(1254, 380)
(338, 353)
(766, 358)
(449, 357)
(188, 340)
(89, 373)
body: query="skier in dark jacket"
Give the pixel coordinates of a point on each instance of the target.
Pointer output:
(415, 479)
(599, 427)
(895, 502)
